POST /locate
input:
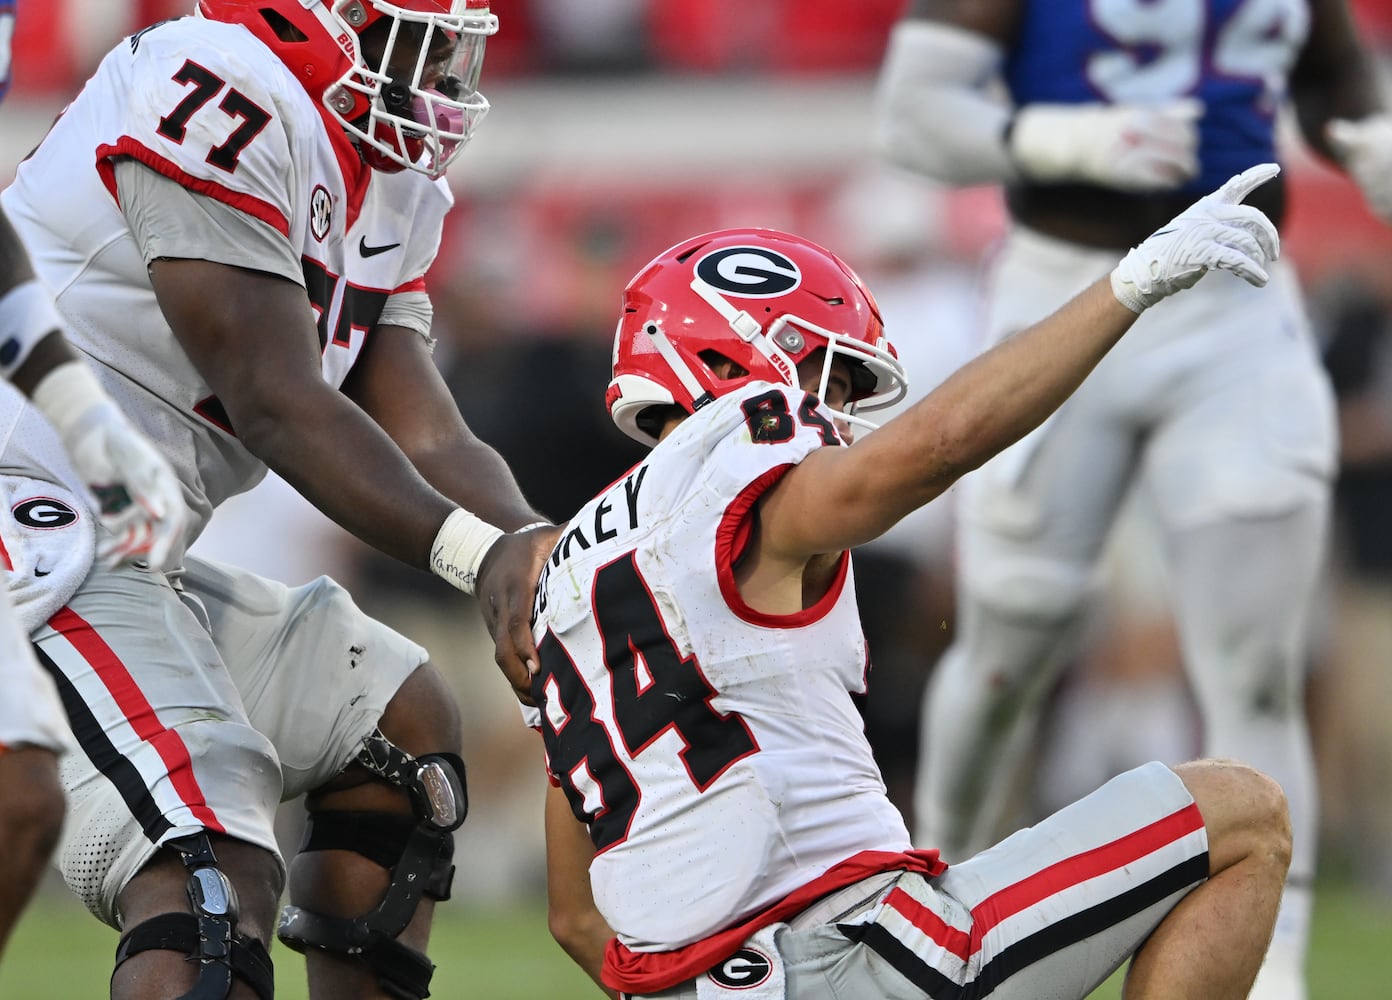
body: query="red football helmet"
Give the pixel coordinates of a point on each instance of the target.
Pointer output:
(760, 298)
(417, 104)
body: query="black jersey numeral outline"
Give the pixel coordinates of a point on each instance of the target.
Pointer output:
(654, 690)
(770, 422)
(206, 86)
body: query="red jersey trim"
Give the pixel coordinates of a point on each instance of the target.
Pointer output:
(732, 537)
(652, 971)
(356, 174)
(257, 208)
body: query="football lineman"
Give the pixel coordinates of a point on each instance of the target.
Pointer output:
(238, 213)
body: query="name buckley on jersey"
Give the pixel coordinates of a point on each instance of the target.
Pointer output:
(601, 527)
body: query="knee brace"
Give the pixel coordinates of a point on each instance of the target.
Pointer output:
(418, 849)
(208, 935)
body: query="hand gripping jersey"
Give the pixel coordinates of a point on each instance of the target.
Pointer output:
(207, 105)
(1234, 55)
(713, 750)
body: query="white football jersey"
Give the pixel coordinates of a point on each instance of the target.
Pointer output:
(714, 750)
(207, 105)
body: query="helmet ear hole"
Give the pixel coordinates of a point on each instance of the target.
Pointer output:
(722, 367)
(283, 29)
(652, 419)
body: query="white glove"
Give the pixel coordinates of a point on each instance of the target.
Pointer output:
(1365, 147)
(136, 493)
(1215, 231)
(1133, 147)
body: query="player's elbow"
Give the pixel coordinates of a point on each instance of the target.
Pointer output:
(583, 935)
(576, 931)
(268, 415)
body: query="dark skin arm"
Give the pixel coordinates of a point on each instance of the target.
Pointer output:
(996, 19)
(230, 321)
(1334, 78)
(426, 424)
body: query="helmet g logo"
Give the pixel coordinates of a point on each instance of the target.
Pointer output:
(743, 970)
(752, 272)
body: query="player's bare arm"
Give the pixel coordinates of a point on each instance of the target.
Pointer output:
(1334, 77)
(838, 498)
(229, 320)
(841, 497)
(1341, 111)
(574, 919)
(995, 19)
(397, 384)
(426, 424)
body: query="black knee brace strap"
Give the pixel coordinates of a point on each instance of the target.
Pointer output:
(246, 957)
(418, 850)
(208, 935)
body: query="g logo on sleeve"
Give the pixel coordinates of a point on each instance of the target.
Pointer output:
(43, 513)
(743, 970)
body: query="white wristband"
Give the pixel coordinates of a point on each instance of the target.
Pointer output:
(460, 545)
(66, 395)
(27, 316)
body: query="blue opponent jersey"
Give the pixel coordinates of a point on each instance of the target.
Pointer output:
(7, 20)
(1234, 55)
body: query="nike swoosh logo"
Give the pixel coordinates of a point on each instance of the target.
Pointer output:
(368, 251)
(42, 572)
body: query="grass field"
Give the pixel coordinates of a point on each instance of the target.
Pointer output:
(60, 953)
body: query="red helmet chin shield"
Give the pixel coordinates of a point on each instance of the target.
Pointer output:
(413, 101)
(762, 299)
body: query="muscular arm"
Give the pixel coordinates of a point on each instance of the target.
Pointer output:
(396, 382)
(838, 498)
(574, 921)
(252, 336)
(1334, 77)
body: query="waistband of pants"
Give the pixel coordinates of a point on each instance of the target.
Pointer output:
(843, 904)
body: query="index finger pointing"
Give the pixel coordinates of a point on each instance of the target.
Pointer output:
(1239, 187)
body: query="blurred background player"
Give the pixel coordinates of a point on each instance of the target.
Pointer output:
(141, 513)
(701, 651)
(239, 211)
(1101, 117)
